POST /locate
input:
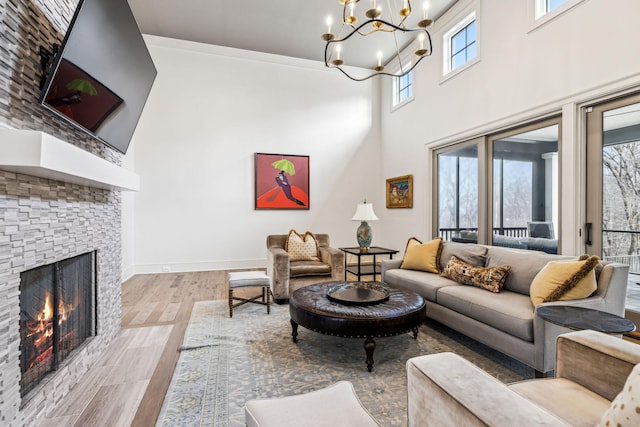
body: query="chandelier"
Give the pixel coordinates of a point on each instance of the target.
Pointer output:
(389, 28)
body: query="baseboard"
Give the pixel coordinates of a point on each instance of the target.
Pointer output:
(185, 267)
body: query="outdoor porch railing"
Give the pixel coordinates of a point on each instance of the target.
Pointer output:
(448, 233)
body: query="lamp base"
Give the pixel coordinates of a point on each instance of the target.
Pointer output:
(364, 236)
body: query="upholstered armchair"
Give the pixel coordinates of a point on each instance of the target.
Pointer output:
(591, 370)
(287, 275)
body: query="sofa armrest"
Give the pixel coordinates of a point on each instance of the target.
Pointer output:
(446, 390)
(597, 361)
(609, 297)
(335, 258)
(389, 264)
(278, 271)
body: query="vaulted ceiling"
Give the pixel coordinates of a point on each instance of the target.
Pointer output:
(283, 27)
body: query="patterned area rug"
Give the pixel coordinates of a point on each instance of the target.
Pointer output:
(225, 362)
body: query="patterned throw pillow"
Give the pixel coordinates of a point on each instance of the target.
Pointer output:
(302, 248)
(422, 256)
(489, 278)
(564, 280)
(625, 408)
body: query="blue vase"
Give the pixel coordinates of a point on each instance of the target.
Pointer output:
(364, 236)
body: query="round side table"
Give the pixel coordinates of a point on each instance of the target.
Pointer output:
(579, 318)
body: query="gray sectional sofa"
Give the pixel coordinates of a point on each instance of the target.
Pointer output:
(505, 321)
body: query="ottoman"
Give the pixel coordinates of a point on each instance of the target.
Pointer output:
(249, 279)
(333, 406)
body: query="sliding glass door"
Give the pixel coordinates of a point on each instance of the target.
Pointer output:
(612, 228)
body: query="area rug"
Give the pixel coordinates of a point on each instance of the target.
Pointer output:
(226, 361)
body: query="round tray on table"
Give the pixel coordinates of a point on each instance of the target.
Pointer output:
(358, 293)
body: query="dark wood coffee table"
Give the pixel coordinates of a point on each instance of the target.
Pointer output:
(309, 307)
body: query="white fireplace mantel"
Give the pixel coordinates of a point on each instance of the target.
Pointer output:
(39, 154)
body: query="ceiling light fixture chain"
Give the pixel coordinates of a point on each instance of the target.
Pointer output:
(333, 46)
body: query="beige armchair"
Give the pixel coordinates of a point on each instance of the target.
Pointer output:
(591, 369)
(287, 276)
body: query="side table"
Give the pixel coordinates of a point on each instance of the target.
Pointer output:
(579, 318)
(364, 270)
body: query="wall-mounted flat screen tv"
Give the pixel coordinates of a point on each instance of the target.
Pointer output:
(101, 77)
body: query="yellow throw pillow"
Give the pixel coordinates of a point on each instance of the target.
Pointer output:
(488, 278)
(302, 248)
(422, 256)
(565, 280)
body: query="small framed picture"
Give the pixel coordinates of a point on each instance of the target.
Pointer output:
(281, 181)
(400, 192)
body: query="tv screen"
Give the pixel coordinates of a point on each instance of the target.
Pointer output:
(102, 75)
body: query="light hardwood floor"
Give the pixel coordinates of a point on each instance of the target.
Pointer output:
(126, 387)
(128, 384)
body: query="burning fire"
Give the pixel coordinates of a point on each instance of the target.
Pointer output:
(41, 328)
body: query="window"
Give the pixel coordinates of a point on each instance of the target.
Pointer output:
(458, 192)
(500, 189)
(403, 88)
(460, 44)
(545, 6)
(543, 11)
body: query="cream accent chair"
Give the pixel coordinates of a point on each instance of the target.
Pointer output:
(591, 369)
(287, 276)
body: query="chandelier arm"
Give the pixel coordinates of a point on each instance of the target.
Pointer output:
(370, 21)
(404, 30)
(380, 73)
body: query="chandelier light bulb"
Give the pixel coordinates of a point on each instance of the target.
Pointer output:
(329, 21)
(426, 10)
(421, 39)
(379, 55)
(338, 50)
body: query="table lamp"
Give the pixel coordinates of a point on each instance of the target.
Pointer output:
(364, 213)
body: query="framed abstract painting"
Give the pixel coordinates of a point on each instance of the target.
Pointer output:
(400, 192)
(281, 181)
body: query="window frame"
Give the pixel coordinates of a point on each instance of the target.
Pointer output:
(538, 18)
(397, 89)
(447, 40)
(485, 143)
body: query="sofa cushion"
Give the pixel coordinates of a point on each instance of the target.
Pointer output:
(625, 408)
(572, 402)
(422, 256)
(302, 247)
(467, 252)
(308, 268)
(421, 282)
(565, 280)
(524, 266)
(507, 311)
(490, 279)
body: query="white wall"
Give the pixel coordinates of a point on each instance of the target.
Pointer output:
(210, 110)
(128, 220)
(585, 54)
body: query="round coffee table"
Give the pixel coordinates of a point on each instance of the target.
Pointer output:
(309, 307)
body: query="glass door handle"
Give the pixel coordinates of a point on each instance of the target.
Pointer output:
(587, 233)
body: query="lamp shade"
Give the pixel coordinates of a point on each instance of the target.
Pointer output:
(364, 212)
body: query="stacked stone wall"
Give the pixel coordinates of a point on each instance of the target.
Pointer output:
(44, 221)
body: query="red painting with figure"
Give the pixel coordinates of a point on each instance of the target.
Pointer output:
(282, 181)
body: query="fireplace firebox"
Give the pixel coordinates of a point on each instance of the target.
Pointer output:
(57, 314)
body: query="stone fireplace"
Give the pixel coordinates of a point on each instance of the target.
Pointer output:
(44, 221)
